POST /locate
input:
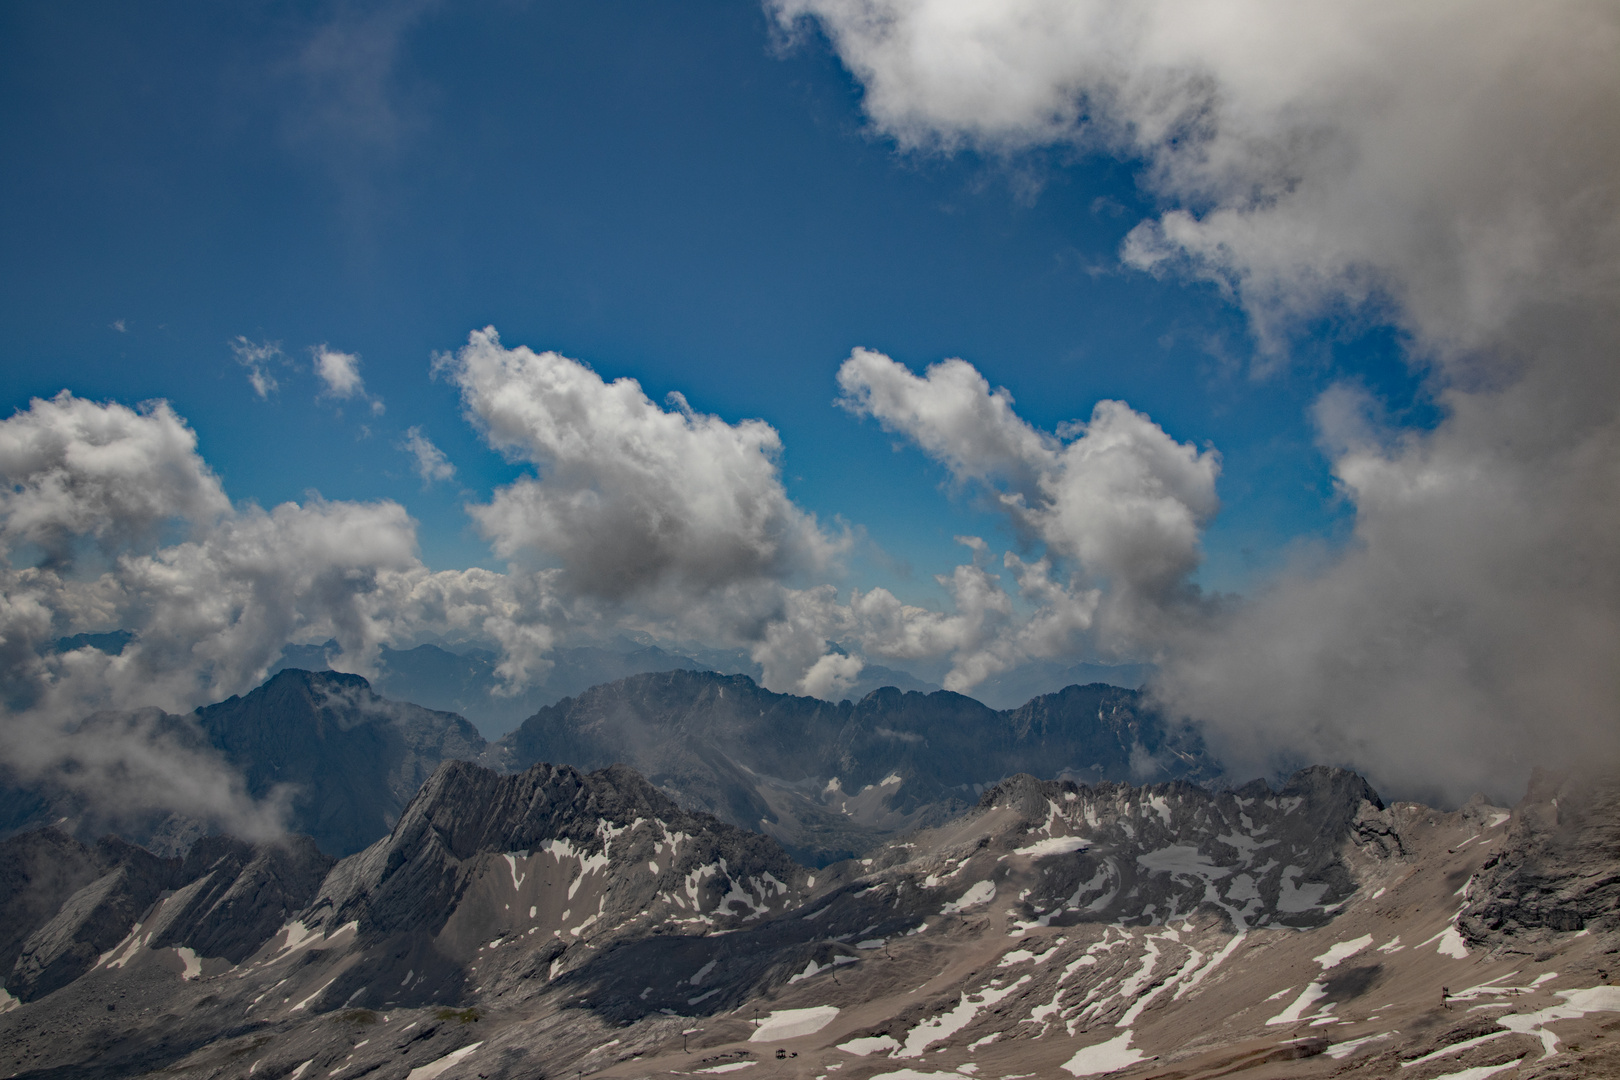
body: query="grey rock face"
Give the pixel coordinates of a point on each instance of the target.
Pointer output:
(1559, 869)
(237, 895)
(828, 781)
(607, 847)
(66, 904)
(93, 920)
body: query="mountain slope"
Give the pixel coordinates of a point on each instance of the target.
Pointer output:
(552, 923)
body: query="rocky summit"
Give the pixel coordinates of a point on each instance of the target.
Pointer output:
(554, 923)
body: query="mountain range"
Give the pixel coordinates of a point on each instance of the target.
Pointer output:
(551, 922)
(683, 874)
(826, 780)
(465, 681)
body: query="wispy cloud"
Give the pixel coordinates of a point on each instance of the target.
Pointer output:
(430, 462)
(259, 358)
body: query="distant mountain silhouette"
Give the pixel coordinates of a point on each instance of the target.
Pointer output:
(829, 780)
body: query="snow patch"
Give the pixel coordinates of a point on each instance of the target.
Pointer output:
(1181, 859)
(193, 969)
(1343, 951)
(870, 1044)
(981, 893)
(1479, 1072)
(941, 1027)
(1293, 897)
(434, 1068)
(302, 1005)
(1104, 1057)
(1452, 944)
(1576, 1003)
(793, 1023)
(1296, 1012)
(1057, 845)
(1340, 1051)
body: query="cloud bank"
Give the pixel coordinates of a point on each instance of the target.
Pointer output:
(1451, 169)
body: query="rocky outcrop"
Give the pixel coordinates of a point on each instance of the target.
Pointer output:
(1559, 868)
(554, 922)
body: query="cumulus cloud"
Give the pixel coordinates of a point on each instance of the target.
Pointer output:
(259, 358)
(430, 462)
(76, 472)
(631, 499)
(1114, 497)
(1450, 169)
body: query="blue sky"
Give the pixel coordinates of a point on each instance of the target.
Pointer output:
(662, 191)
(1351, 266)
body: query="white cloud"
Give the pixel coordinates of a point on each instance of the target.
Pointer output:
(631, 499)
(354, 101)
(339, 371)
(1454, 156)
(258, 358)
(109, 519)
(1449, 168)
(431, 464)
(76, 471)
(1115, 497)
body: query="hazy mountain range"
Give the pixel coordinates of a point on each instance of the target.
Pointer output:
(827, 780)
(463, 680)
